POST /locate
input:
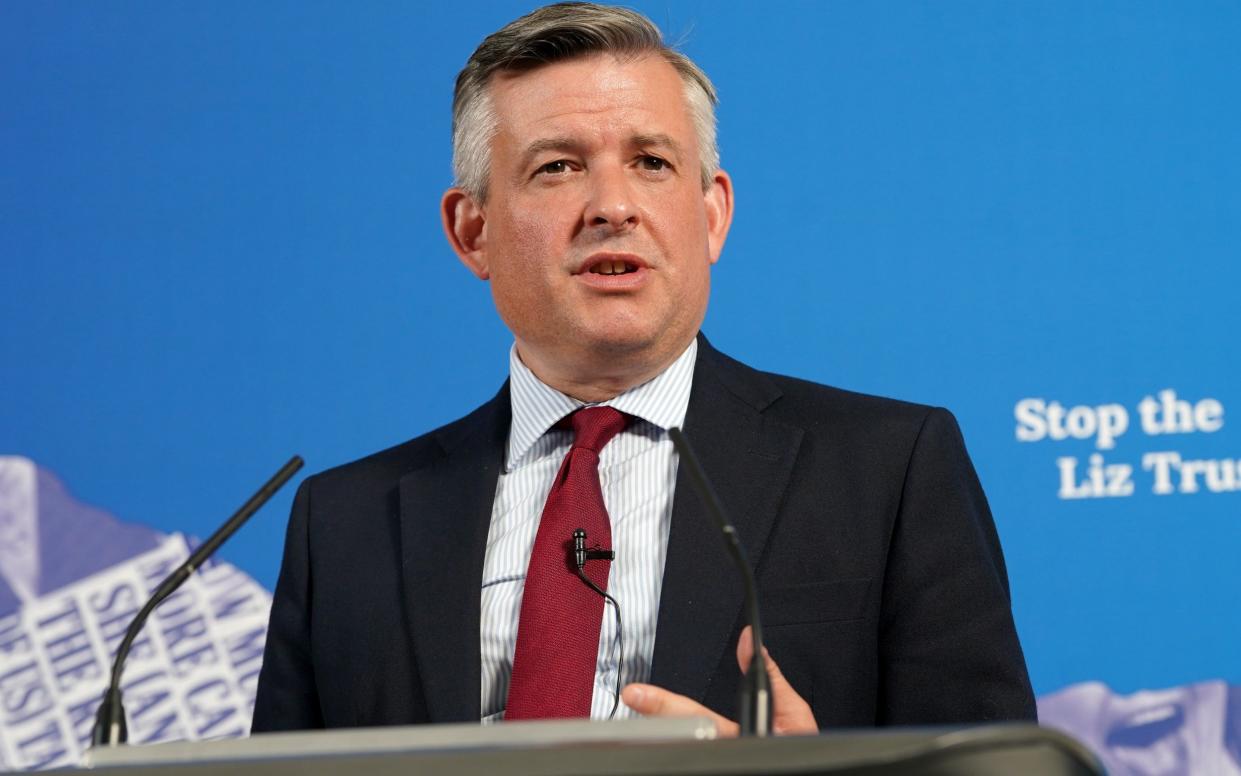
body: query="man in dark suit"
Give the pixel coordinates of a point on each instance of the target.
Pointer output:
(590, 197)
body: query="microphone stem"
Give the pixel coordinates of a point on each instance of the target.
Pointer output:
(754, 701)
(110, 728)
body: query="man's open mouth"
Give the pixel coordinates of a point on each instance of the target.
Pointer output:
(613, 267)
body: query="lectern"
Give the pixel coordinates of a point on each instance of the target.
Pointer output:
(667, 747)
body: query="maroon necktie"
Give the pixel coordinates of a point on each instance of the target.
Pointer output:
(558, 632)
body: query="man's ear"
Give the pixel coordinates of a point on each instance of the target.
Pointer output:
(718, 199)
(465, 226)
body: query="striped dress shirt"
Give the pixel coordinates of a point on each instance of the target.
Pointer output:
(637, 472)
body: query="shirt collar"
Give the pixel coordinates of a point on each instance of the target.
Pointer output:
(661, 401)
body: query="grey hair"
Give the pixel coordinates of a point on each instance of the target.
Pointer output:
(554, 33)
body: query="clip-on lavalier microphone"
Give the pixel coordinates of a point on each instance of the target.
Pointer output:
(580, 556)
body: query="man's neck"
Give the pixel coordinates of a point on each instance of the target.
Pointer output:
(597, 382)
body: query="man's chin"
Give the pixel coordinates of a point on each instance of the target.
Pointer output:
(621, 345)
(631, 343)
(608, 345)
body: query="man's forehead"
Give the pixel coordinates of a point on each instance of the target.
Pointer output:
(586, 84)
(642, 96)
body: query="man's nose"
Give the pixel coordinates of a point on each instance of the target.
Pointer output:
(611, 202)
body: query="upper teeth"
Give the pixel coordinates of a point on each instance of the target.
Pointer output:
(609, 268)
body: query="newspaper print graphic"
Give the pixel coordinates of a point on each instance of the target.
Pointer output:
(192, 672)
(1190, 729)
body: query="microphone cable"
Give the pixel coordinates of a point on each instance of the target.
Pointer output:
(580, 556)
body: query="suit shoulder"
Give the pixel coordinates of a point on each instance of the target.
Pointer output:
(813, 406)
(816, 401)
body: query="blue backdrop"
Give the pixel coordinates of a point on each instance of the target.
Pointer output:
(221, 246)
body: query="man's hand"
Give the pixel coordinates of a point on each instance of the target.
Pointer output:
(790, 714)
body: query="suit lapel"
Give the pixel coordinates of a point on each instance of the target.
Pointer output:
(748, 458)
(445, 512)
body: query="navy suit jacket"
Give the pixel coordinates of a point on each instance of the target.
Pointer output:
(883, 589)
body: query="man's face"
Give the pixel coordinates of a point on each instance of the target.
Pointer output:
(597, 236)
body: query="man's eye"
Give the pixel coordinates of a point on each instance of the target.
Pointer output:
(654, 163)
(558, 167)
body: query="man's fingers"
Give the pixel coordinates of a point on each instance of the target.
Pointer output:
(779, 685)
(651, 701)
(745, 649)
(791, 715)
(790, 712)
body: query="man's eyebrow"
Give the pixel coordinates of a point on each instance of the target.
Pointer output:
(545, 144)
(571, 145)
(658, 139)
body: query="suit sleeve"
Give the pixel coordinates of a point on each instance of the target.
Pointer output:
(948, 645)
(287, 698)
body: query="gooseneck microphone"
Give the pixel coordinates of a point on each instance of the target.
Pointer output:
(754, 696)
(110, 728)
(580, 556)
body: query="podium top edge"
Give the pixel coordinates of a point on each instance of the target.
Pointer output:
(412, 738)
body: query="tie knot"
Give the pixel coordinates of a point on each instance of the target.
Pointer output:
(594, 427)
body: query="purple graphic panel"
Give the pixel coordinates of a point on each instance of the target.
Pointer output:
(1195, 728)
(71, 579)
